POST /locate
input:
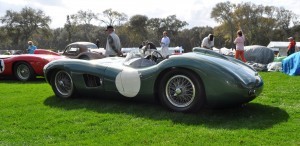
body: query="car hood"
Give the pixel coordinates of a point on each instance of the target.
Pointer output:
(240, 70)
(44, 56)
(52, 57)
(109, 61)
(6, 56)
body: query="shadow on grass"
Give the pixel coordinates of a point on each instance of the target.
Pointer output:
(250, 116)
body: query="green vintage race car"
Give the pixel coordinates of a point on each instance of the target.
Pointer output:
(182, 83)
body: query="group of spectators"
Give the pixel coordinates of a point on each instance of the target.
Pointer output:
(208, 43)
(113, 44)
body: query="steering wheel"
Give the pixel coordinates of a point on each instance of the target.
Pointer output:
(156, 56)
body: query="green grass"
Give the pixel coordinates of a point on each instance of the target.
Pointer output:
(30, 114)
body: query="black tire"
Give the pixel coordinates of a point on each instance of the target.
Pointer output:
(23, 71)
(62, 84)
(181, 91)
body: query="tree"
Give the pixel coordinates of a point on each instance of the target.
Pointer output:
(5, 41)
(21, 26)
(190, 38)
(170, 24)
(138, 32)
(284, 18)
(259, 23)
(223, 13)
(224, 38)
(70, 28)
(268, 23)
(58, 42)
(111, 17)
(173, 25)
(154, 29)
(84, 18)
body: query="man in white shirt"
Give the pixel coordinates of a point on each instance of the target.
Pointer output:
(165, 41)
(113, 44)
(208, 42)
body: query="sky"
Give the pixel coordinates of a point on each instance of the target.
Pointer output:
(194, 12)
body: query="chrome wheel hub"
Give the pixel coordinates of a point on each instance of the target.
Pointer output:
(63, 83)
(180, 91)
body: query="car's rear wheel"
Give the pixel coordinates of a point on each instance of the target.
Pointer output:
(181, 91)
(62, 84)
(23, 71)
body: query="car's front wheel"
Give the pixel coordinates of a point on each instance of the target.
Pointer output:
(181, 91)
(23, 71)
(62, 84)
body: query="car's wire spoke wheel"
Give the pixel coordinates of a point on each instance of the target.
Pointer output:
(23, 71)
(63, 84)
(180, 91)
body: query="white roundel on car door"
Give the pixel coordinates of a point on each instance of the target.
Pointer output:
(128, 82)
(2, 66)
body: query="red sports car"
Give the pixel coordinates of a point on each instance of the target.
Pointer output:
(25, 67)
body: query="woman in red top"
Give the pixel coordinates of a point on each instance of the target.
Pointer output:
(291, 47)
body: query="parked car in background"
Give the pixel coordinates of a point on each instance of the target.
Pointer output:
(25, 67)
(83, 50)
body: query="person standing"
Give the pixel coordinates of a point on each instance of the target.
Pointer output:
(31, 48)
(98, 43)
(208, 42)
(113, 44)
(239, 42)
(291, 47)
(165, 42)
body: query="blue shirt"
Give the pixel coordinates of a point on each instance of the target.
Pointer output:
(31, 49)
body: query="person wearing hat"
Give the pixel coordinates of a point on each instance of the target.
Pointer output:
(291, 47)
(113, 44)
(208, 42)
(31, 48)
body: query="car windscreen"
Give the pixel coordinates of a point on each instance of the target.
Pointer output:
(134, 53)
